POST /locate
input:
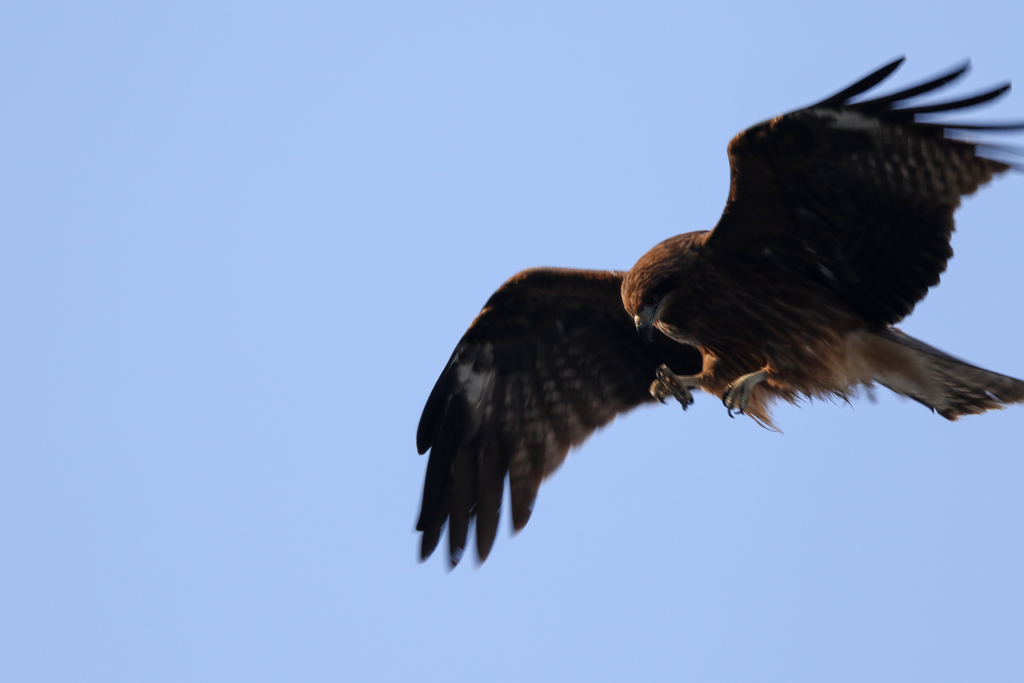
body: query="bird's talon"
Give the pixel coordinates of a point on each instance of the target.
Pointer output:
(737, 395)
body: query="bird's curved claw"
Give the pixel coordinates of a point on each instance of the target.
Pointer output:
(670, 384)
(736, 396)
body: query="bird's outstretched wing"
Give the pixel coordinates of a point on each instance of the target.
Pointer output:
(858, 195)
(552, 356)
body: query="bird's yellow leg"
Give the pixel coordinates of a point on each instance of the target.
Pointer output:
(737, 394)
(669, 383)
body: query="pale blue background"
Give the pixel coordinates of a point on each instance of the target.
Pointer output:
(238, 242)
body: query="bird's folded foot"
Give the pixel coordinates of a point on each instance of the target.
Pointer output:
(737, 394)
(669, 383)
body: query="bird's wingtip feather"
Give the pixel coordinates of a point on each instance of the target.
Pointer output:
(863, 85)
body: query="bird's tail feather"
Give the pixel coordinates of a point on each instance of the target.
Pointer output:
(945, 384)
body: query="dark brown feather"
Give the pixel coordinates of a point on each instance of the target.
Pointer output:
(551, 357)
(884, 103)
(963, 103)
(855, 196)
(963, 389)
(863, 85)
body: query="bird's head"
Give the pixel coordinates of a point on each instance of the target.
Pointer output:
(649, 287)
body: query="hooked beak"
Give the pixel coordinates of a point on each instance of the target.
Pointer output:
(645, 325)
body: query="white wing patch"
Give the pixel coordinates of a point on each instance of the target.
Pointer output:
(475, 384)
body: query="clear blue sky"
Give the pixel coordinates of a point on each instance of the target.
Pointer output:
(238, 242)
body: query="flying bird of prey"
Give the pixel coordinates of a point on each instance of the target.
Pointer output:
(838, 221)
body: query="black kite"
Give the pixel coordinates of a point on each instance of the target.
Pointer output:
(838, 221)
